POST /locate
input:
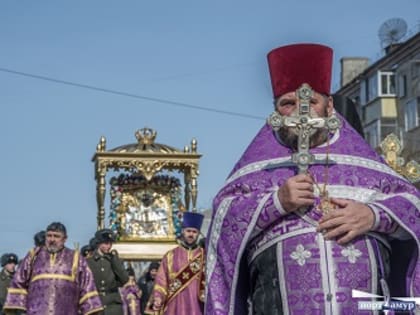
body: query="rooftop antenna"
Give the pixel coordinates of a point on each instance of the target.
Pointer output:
(392, 31)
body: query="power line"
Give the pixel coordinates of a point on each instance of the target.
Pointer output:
(136, 96)
(201, 73)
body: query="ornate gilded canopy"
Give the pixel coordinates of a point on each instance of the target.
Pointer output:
(391, 148)
(147, 199)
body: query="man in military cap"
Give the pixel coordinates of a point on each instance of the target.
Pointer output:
(53, 279)
(8, 263)
(93, 243)
(108, 271)
(86, 251)
(179, 283)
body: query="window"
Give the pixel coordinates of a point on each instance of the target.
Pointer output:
(363, 87)
(372, 133)
(415, 69)
(387, 84)
(402, 86)
(388, 126)
(372, 88)
(411, 114)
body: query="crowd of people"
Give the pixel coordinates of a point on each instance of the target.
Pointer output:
(309, 214)
(53, 279)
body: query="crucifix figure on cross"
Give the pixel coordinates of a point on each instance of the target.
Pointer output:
(304, 125)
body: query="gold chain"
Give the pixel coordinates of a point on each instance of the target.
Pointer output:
(325, 203)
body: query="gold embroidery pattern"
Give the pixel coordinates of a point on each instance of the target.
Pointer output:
(53, 256)
(70, 278)
(184, 277)
(87, 296)
(170, 265)
(195, 266)
(160, 289)
(75, 265)
(17, 291)
(95, 310)
(52, 276)
(174, 286)
(201, 291)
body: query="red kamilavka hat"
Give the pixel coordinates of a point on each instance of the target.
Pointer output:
(291, 66)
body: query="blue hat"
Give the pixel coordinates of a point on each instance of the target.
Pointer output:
(192, 220)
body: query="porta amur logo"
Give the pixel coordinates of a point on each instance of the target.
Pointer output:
(383, 303)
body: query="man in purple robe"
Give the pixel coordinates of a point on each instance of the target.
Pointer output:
(130, 295)
(53, 279)
(289, 242)
(179, 283)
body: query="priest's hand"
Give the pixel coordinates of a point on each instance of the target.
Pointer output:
(157, 304)
(350, 220)
(297, 192)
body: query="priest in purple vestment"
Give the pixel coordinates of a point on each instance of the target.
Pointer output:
(130, 295)
(288, 242)
(53, 279)
(179, 283)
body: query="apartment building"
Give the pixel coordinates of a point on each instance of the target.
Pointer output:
(387, 94)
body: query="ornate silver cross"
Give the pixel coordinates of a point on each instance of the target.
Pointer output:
(305, 125)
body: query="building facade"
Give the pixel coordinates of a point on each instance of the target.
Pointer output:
(387, 94)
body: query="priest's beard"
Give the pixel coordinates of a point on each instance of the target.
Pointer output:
(289, 135)
(53, 248)
(189, 243)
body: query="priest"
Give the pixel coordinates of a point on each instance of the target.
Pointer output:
(179, 283)
(309, 211)
(53, 279)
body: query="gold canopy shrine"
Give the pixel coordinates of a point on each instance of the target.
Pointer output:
(151, 185)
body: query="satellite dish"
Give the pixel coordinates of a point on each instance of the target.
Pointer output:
(391, 31)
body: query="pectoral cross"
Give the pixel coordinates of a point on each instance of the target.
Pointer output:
(305, 126)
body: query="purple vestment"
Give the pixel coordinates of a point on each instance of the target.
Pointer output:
(186, 300)
(56, 284)
(130, 296)
(315, 276)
